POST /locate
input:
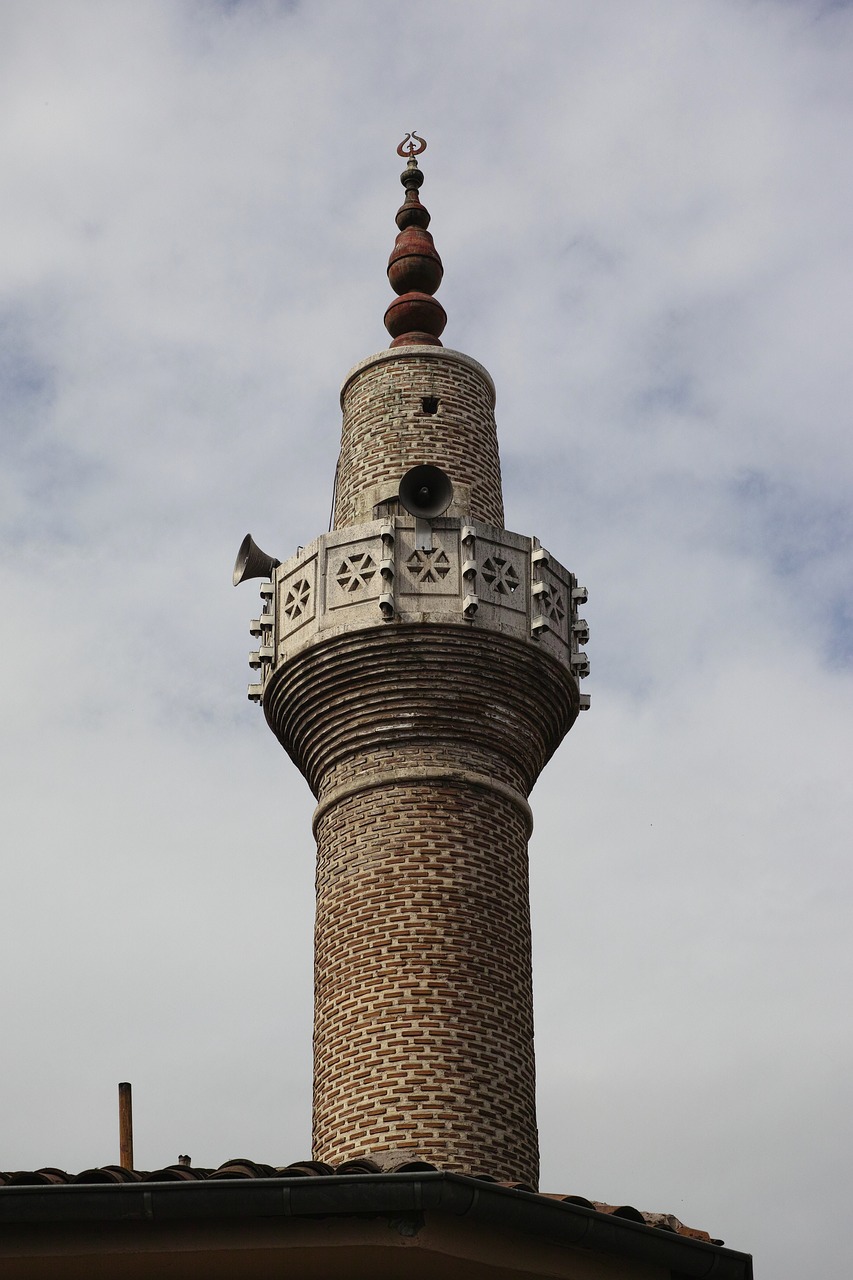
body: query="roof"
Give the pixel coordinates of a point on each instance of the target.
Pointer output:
(110, 1200)
(241, 1168)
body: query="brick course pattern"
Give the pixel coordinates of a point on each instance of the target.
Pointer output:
(386, 430)
(422, 743)
(423, 981)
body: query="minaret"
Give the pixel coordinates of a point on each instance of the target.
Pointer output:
(420, 664)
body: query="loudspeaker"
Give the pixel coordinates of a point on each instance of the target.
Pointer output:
(252, 562)
(426, 491)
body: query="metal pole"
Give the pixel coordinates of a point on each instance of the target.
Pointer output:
(125, 1126)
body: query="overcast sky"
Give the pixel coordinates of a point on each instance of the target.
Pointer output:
(643, 208)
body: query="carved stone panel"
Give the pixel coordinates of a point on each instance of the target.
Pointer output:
(428, 571)
(353, 572)
(502, 574)
(297, 596)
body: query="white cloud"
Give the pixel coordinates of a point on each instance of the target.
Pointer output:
(643, 214)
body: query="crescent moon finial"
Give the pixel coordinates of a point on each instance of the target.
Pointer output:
(412, 145)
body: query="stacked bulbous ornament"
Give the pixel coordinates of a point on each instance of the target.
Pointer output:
(414, 270)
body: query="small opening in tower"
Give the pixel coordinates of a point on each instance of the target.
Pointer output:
(430, 404)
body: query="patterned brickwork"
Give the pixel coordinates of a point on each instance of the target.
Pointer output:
(423, 1001)
(422, 743)
(386, 429)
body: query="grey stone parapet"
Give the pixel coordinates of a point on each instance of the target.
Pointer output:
(448, 571)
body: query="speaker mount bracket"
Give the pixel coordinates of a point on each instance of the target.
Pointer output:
(423, 534)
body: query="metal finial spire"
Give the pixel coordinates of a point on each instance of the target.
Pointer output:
(414, 268)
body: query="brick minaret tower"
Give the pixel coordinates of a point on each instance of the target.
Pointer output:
(420, 664)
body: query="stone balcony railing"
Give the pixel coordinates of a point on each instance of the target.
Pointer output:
(447, 571)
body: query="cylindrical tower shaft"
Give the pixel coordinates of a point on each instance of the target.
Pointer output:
(422, 742)
(423, 980)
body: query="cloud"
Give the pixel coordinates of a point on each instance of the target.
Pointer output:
(643, 216)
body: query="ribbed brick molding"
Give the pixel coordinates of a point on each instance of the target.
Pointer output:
(422, 743)
(479, 700)
(386, 430)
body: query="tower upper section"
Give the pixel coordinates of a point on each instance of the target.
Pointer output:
(417, 402)
(414, 405)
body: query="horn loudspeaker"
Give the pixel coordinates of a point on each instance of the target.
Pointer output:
(426, 491)
(252, 562)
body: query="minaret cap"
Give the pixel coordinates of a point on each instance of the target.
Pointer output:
(414, 268)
